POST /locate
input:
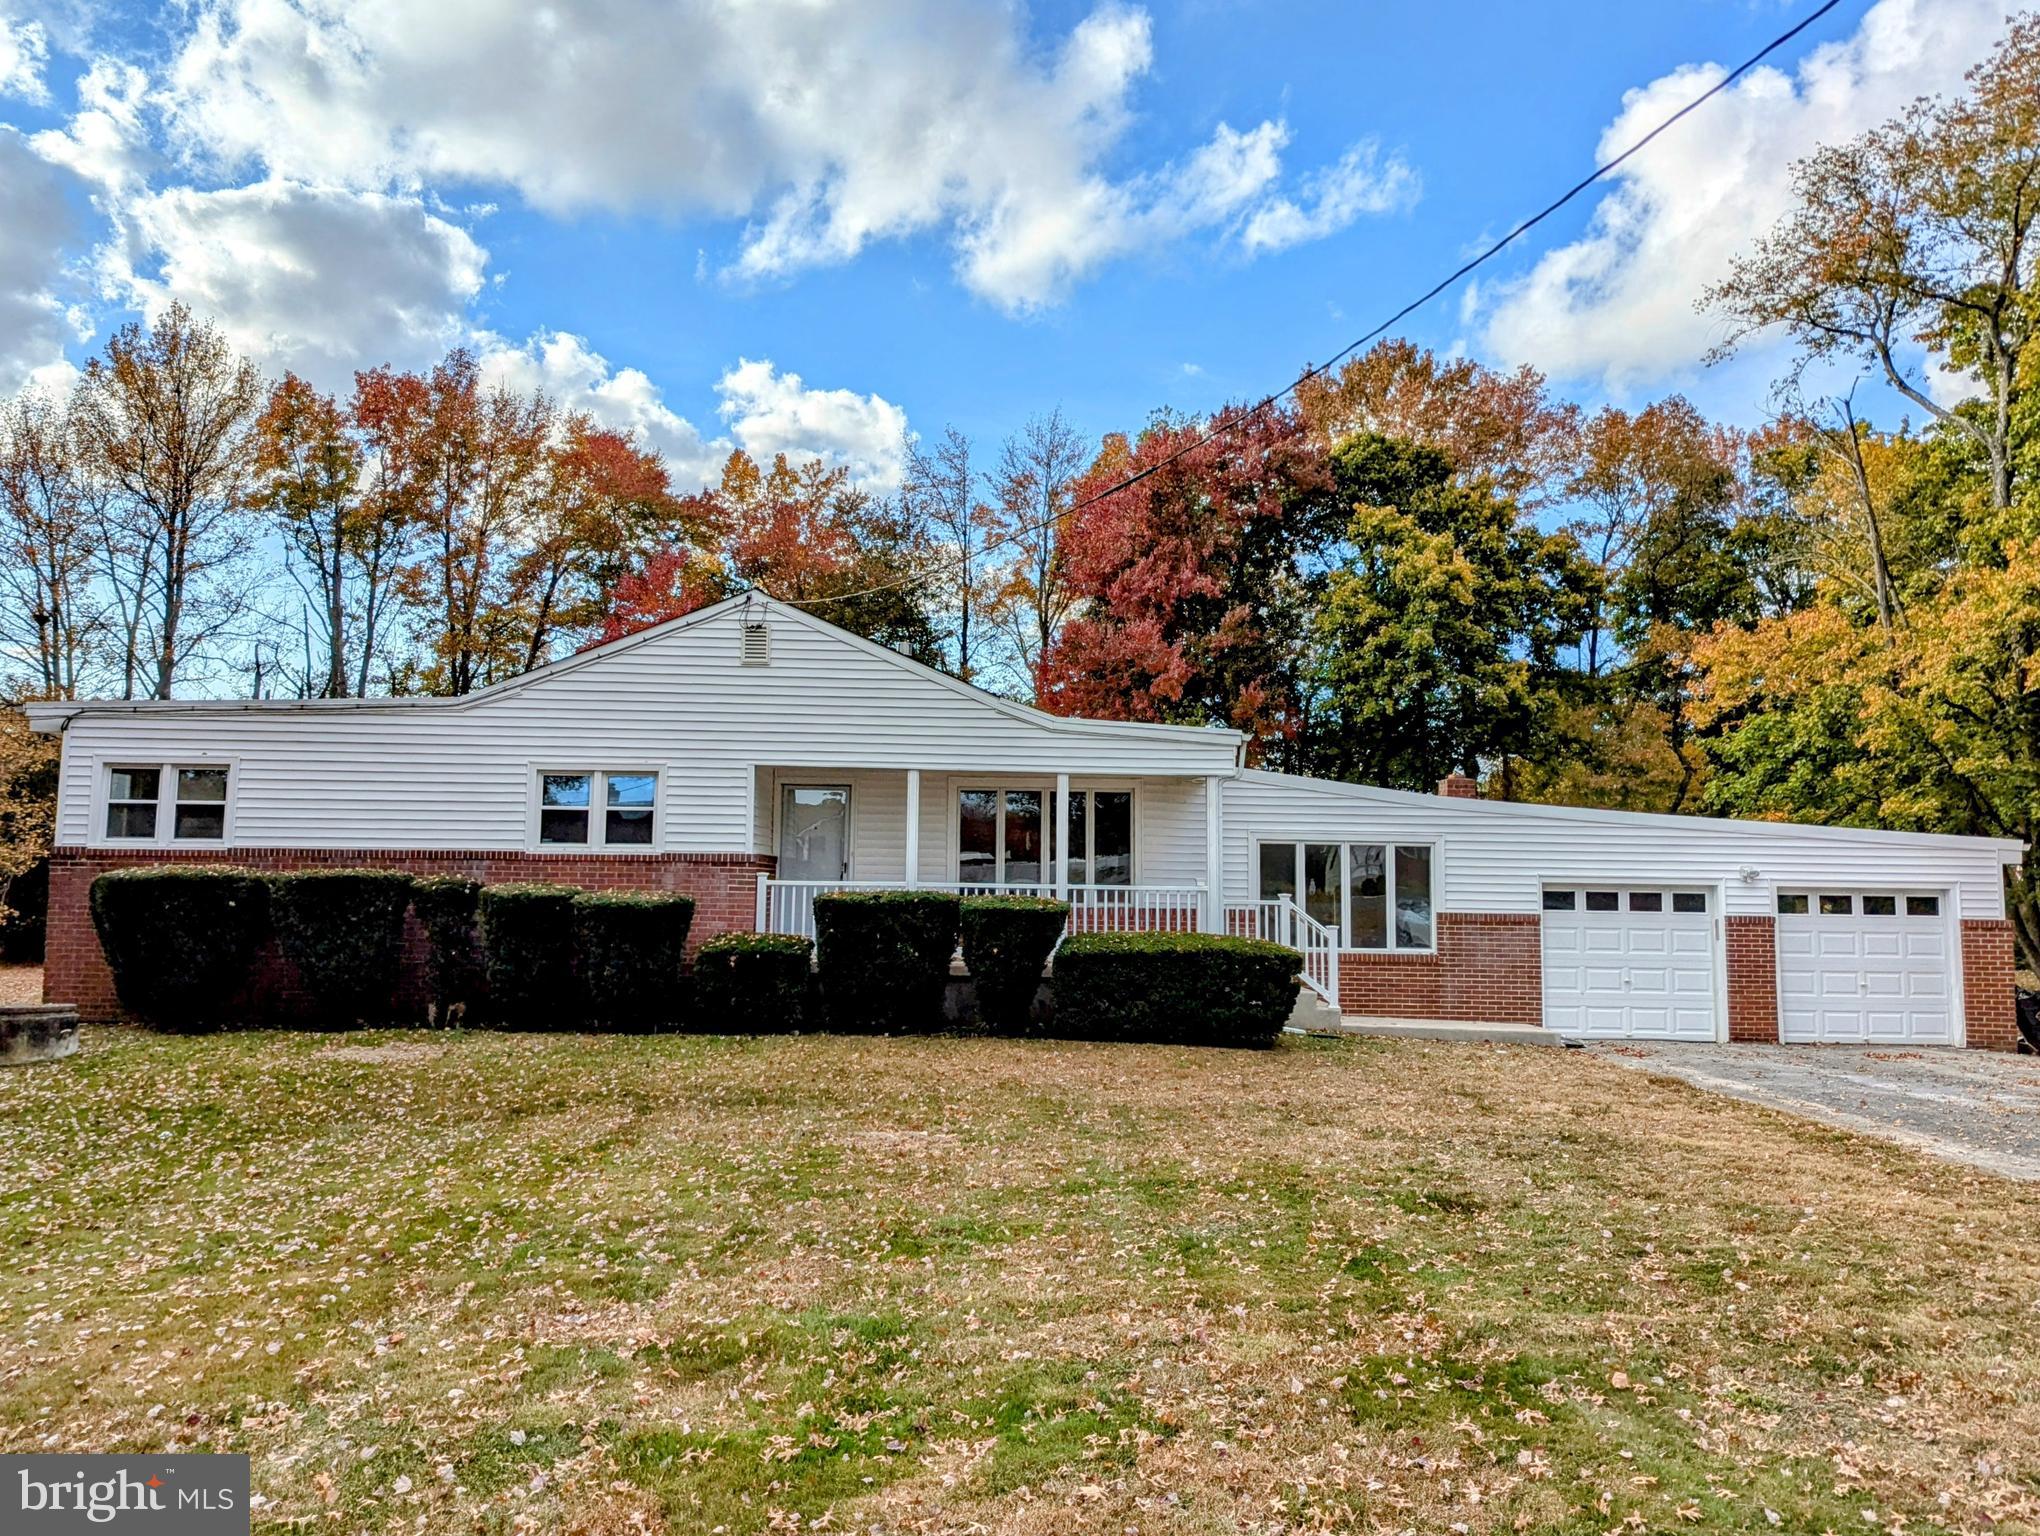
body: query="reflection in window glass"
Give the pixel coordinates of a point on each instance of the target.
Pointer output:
(1646, 901)
(201, 804)
(1791, 905)
(1112, 840)
(131, 802)
(1837, 906)
(1023, 837)
(1278, 870)
(1558, 901)
(1689, 901)
(1076, 827)
(563, 807)
(1604, 901)
(629, 797)
(1413, 898)
(977, 849)
(1367, 894)
(1321, 882)
(1880, 906)
(1923, 906)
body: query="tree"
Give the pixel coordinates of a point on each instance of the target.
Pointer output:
(940, 493)
(28, 806)
(306, 471)
(1437, 645)
(1918, 232)
(1502, 427)
(1193, 606)
(50, 507)
(1036, 488)
(387, 416)
(164, 417)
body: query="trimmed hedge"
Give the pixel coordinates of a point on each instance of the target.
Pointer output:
(752, 983)
(181, 940)
(527, 938)
(343, 929)
(884, 958)
(1179, 988)
(1006, 942)
(446, 906)
(630, 951)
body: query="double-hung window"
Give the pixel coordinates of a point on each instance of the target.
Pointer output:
(1373, 895)
(598, 808)
(166, 802)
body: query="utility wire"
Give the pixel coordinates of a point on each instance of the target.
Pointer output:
(1231, 421)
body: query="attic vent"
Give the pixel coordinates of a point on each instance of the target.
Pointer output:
(757, 645)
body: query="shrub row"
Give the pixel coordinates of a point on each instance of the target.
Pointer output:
(183, 943)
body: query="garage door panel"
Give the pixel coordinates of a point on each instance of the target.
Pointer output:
(1874, 969)
(1643, 971)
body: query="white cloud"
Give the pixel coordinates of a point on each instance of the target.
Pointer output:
(24, 51)
(770, 412)
(1618, 303)
(34, 223)
(1361, 183)
(315, 279)
(574, 374)
(106, 140)
(824, 132)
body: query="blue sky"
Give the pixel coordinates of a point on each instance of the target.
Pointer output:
(911, 212)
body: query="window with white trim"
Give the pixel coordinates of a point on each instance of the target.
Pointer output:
(1373, 895)
(173, 802)
(1007, 836)
(589, 808)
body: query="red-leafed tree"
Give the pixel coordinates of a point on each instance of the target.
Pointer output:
(1192, 595)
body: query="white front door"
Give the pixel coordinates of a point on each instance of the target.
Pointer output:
(1629, 964)
(814, 832)
(1864, 967)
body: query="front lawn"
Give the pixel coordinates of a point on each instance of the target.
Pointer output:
(535, 1283)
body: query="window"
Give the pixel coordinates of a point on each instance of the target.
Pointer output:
(1646, 901)
(195, 812)
(1837, 906)
(1791, 905)
(1923, 906)
(1374, 895)
(131, 797)
(1604, 901)
(1689, 901)
(1558, 901)
(1008, 836)
(1880, 906)
(568, 801)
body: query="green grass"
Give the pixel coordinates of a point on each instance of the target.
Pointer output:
(528, 1283)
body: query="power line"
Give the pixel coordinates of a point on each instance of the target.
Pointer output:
(1232, 420)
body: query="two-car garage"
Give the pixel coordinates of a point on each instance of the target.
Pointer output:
(1647, 963)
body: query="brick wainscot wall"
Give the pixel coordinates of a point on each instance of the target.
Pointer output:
(1488, 968)
(724, 887)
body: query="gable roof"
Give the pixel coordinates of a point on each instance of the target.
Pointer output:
(54, 714)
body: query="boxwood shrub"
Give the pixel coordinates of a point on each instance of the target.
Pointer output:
(445, 905)
(630, 952)
(343, 930)
(752, 983)
(1006, 942)
(1185, 988)
(883, 958)
(527, 940)
(181, 941)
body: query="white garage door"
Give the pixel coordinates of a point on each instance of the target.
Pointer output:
(1864, 967)
(1629, 964)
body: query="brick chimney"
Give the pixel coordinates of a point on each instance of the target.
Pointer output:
(1457, 786)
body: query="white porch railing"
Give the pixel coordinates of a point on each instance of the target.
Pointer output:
(1284, 922)
(788, 906)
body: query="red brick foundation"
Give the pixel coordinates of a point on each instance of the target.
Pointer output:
(723, 885)
(1752, 979)
(1989, 1005)
(1489, 969)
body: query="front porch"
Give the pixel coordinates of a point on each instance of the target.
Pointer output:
(1133, 854)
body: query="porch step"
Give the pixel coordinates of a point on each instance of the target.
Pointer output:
(1465, 1031)
(1312, 1015)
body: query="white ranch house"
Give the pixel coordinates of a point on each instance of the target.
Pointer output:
(752, 755)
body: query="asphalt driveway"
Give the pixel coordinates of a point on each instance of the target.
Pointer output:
(1975, 1107)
